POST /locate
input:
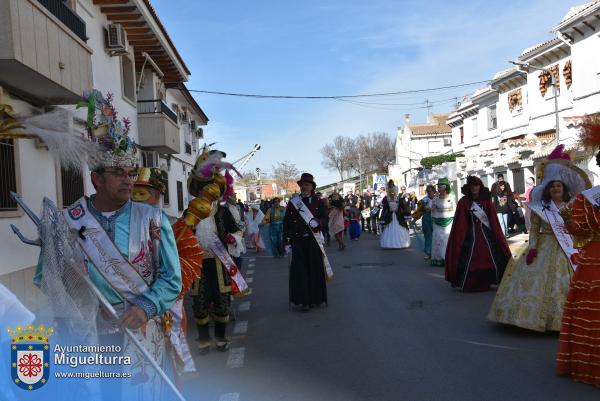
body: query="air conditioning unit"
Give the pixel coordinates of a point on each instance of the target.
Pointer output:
(116, 40)
(193, 125)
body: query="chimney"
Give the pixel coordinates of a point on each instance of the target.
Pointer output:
(407, 119)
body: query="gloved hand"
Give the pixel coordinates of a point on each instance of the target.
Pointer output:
(230, 239)
(531, 255)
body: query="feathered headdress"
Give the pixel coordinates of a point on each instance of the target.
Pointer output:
(590, 134)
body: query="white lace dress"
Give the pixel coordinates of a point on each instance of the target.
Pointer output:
(394, 235)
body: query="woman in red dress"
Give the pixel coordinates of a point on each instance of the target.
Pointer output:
(477, 251)
(579, 346)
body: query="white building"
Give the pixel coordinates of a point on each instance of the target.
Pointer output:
(417, 141)
(53, 51)
(520, 107)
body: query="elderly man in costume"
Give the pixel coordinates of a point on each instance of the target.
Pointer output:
(310, 268)
(534, 288)
(131, 255)
(477, 251)
(216, 229)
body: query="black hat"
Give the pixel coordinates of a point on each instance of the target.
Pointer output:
(306, 177)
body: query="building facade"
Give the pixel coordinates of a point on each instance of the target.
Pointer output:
(417, 141)
(52, 52)
(530, 108)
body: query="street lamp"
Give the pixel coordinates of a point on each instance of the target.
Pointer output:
(553, 82)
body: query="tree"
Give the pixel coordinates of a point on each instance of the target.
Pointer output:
(338, 155)
(380, 151)
(285, 173)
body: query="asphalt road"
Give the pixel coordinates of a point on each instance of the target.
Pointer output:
(394, 330)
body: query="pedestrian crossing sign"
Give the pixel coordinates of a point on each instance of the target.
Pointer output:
(380, 181)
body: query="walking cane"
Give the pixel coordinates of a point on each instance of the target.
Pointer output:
(107, 305)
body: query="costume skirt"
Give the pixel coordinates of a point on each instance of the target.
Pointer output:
(307, 273)
(533, 296)
(579, 344)
(394, 236)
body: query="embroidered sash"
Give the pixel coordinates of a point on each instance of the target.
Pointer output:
(480, 214)
(560, 231)
(238, 284)
(307, 216)
(103, 253)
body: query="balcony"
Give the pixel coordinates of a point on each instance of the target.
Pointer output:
(157, 127)
(43, 54)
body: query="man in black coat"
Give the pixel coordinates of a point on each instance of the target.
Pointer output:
(307, 271)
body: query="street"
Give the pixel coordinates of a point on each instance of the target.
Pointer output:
(394, 330)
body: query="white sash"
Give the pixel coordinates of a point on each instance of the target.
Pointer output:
(593, 195)
(238, 284)
(103, 253)
(178, 339)
(560, 231)
(307, 216)
(480, 214)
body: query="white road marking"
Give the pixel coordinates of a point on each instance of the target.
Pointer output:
(249, 280)
(252, 260)
(230, 397)
(236, 358)
(244, 306)
(251, 265)
(250, 272)
(240, 327)
(490, 345)
(249, 291)
(436, 275)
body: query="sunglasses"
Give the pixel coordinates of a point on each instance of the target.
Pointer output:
(120, 173)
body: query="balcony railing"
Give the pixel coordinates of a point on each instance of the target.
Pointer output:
(155, 107)
(60, 10)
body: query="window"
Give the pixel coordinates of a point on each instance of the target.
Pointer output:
(71, 182)
(447, 142)
(166, 197)
(474, 129)
(492, 120)
(149, 158)
(462, 135)
(180, 196)
(8, 175)
(434, 146)
(128, 78)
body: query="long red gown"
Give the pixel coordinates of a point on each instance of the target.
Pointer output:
(579, 346)
(476, 255)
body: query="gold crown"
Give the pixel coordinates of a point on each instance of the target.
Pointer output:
(30, 333)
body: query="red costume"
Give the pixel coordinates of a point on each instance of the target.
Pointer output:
(476, 255)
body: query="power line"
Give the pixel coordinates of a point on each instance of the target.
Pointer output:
(259, 96)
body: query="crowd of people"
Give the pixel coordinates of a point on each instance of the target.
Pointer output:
(142, 265)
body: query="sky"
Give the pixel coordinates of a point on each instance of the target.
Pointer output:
(340, 47)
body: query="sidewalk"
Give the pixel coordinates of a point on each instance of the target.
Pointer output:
(518, 243)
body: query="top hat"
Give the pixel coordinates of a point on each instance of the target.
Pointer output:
(306, 177)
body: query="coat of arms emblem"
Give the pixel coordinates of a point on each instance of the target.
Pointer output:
(30, 356)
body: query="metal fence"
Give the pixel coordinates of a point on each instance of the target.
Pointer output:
(60, 10)
(8, 174)
(154, 107)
